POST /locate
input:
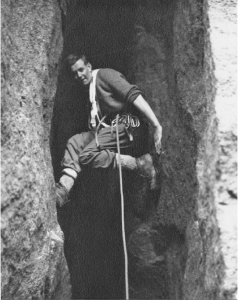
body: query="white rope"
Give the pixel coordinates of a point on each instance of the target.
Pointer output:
(122, 215)
(92, 97)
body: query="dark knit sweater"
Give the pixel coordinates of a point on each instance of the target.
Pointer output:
(114, 94)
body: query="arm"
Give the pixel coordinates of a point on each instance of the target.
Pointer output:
(146, 110)
(125, 92)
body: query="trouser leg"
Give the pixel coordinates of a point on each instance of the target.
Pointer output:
(103, 156)
(73, 149)
(71, 166)
(82, 151)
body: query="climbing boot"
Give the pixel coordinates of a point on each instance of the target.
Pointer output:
(146, 169)
(62, 195)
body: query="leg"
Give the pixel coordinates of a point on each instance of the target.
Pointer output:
(74, 147)
(81, 150)
(71, 166)
(105, 155)
(139, 159)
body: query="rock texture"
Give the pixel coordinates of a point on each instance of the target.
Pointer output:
(224, 50)
(33, 264)
(173, 238)
(174, 68)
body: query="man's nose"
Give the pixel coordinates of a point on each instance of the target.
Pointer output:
(79, 74)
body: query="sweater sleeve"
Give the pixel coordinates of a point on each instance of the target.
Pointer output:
(121, 88)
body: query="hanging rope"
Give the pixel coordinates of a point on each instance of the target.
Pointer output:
(122, 214)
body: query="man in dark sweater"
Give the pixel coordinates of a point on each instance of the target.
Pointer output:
(110, 95)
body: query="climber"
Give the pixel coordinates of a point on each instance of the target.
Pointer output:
(110, 94)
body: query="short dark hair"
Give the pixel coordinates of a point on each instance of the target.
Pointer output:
(72, 58)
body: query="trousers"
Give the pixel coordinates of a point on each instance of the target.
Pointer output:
(82, 151)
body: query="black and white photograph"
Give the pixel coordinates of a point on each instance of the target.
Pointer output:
(119, 149)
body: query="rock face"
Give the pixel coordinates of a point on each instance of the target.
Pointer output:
(33, 264)
(224, 49)
(173, 66)
(172, 235)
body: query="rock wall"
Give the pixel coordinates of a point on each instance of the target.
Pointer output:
(33, 264)
(224, 49)
(173, 66)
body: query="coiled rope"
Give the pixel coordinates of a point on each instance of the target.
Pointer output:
(122, 214)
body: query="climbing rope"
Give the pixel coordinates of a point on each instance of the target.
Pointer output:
(122, 214)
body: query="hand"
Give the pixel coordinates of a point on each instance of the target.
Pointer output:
(157, 139)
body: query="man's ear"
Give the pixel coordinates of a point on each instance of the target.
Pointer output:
(89, 66)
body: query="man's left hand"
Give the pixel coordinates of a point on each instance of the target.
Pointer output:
(157, 139)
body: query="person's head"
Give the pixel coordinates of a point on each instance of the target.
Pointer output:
(81, 68)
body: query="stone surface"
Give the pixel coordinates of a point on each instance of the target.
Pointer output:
(173, 66)
(224, 49)
(33, 263)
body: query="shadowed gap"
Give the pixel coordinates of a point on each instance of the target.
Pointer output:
(105, 30)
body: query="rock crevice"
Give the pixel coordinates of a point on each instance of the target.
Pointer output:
(164, 48)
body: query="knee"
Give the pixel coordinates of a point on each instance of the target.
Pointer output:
(96, 159)
(83, 157)
(74, 139)
(75, 142)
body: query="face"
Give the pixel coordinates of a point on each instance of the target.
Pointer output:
(82, 72)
